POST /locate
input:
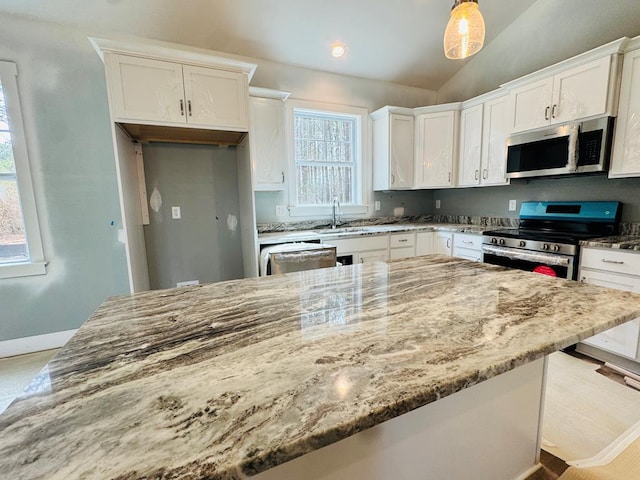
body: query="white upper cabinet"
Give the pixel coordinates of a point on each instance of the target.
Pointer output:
(495, 129)
(393, 130)
(144, 89)
(435, 147)
(267, 137)
(470, 146)
(576, 93)
(584, 86)
(156, 92)
(625, 160)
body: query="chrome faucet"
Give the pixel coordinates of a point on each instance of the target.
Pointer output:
(335, 211)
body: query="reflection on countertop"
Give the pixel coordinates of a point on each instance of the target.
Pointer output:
(225, 380)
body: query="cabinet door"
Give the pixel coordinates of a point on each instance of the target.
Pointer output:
(268, 152)
(530, 105)
(144, 90)
(623, 339)
(435, 149)
(404, 252)
(373, 256)
(424, 243)
(443, 243)
(625, 160)
(581, 92)
(494, 139)
(216, 98)
(470, 146)
(401, 132)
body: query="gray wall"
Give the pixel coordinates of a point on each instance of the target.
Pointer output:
(494, 201)
(203, 181)
(63, 96)
(546, 33)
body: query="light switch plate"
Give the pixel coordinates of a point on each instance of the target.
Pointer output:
(175, 213)
(437, 203)
(281, 210)
(512, 205)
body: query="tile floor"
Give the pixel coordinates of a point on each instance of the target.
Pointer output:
(17, 372)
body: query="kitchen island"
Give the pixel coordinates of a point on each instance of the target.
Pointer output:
(255, 376)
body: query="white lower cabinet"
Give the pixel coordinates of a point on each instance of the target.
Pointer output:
(363, 249)
(424, 243)
(619, 270)
(402, 245)
(467, 246)
(443, 243)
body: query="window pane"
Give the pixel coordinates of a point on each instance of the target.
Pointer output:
(320, 185)
(13, 241)
(324, 138)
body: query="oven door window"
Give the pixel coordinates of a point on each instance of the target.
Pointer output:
(529, 266)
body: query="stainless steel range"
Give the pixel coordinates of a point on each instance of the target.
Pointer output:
(547, 240)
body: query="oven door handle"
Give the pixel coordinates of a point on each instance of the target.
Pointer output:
(527, 255)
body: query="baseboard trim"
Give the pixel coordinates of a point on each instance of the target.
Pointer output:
(35, 343)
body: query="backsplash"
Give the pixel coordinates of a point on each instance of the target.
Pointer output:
(493, 222)
(629, 228)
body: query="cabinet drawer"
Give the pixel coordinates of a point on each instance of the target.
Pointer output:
(611, 261)
(467, 254)
(402, 240)
(403, 252)
(359, 244)
(464, 240)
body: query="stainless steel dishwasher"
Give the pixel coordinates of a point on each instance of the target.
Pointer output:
(295, 257)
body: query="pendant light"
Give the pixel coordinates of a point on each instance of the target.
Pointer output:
(464, 35)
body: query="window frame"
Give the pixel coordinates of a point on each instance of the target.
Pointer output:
(36, 265)
(363, 168)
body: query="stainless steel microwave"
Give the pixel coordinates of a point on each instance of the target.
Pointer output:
(560, 150)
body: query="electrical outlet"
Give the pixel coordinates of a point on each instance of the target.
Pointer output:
(281, 210)
(175, 213)
(376, 205)
(512, 205)
(437, 203)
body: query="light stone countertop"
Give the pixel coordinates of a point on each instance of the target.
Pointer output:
(225, 380)
(364, 231)
(620, 242)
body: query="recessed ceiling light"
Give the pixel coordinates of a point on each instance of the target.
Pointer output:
(338, 49)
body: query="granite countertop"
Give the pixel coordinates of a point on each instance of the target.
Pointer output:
(229, 379)
(363, 231)
(622, 242)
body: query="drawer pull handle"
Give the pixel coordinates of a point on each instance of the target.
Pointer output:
(467, 242)
(403, 240)
(617, 262)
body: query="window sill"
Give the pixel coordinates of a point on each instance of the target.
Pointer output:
(12, 270)
(324, 211)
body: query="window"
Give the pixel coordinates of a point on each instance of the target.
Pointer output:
(327, 143)
(325, 158)
(20, 244)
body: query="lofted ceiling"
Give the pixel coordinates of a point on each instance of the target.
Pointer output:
(398, 41)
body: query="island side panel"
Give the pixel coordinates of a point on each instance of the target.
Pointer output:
(485, 432)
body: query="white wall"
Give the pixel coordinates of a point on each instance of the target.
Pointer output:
(62, 90)
(548, 32)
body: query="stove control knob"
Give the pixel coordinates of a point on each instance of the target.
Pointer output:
(494, 240)
(502, 241)
(545, 246)
(522, 243)
(556, 248)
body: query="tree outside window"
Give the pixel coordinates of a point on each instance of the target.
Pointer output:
(325, 158)
(13, 241)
